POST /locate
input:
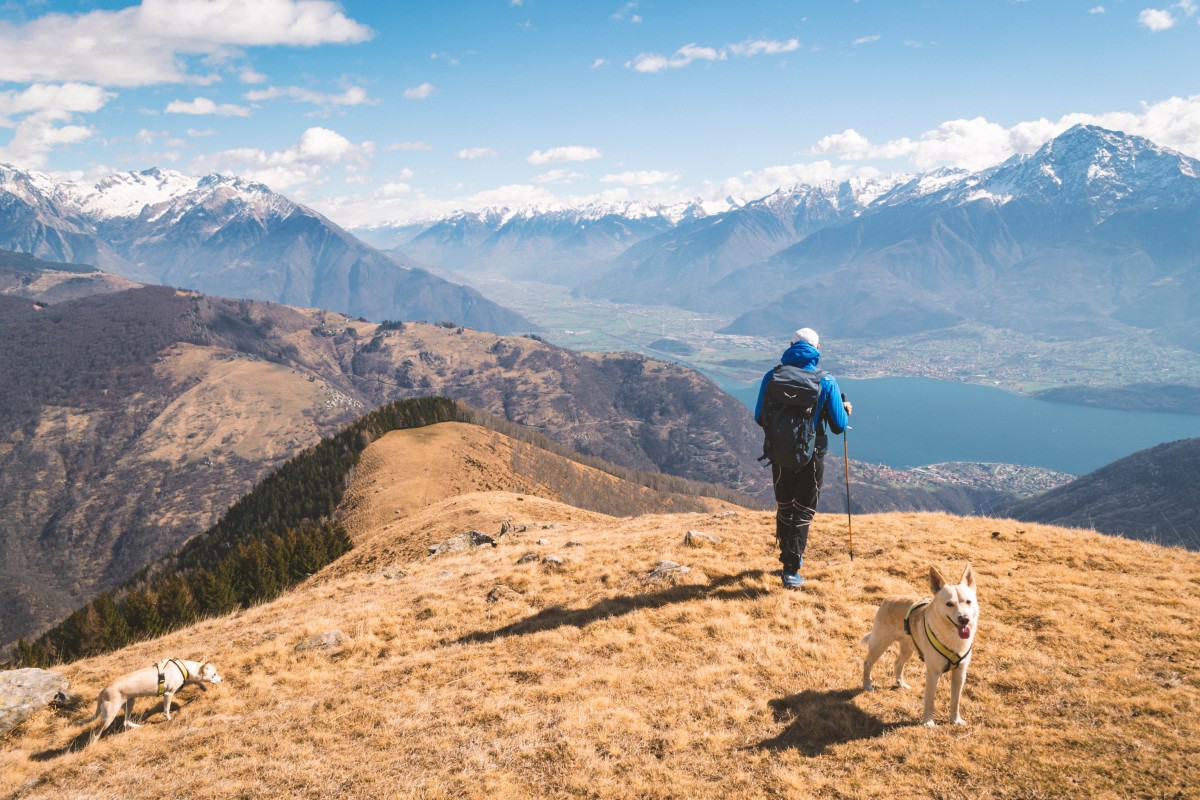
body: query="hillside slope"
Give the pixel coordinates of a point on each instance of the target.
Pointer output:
(130, 420)
(1150, 495)
(482, 673)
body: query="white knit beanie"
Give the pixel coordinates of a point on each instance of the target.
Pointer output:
(806, 335)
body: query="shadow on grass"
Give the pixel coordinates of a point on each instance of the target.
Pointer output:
(816, 720)
(80, 740)
(77, 743)
(558, 617)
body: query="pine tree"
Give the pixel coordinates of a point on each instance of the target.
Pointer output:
(176, 606)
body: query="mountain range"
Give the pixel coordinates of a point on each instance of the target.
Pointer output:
(227, 236)
(1097, 233)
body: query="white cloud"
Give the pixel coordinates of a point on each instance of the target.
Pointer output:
(1096, 10)
(203, 105)
(599, 62)
(354, 96)
(303, 163)
(472, 153)
(558, 176)
(759, 183)
(557, 155)
(65, 98)
(626, 14)
(689, 53)
(248, 75)
(875, 37)
(652, 62)
(302, 23)
(762, 47)
(1156, 19)
(977, 143)
(41, 116)
(407, 146)
(197, 133)
(642, 178)
(418, 92)
(148, 44)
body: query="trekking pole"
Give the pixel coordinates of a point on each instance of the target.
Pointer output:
(846, 461)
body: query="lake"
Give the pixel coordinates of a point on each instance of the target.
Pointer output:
(909, 422)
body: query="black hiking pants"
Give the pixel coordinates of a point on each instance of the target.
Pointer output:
(796, 492)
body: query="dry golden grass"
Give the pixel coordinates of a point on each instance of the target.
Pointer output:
(595, 679)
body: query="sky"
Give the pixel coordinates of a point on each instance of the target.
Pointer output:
(392, 112)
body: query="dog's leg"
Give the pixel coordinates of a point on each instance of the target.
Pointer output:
(877, 645)
(906, 651)
(167, 704)
(957, 679)
(129, 723)
(932, 674)
(107, 712)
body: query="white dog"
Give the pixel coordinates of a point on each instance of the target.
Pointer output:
(940, 630)
(163, 678)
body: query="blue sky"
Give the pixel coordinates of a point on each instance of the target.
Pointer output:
(373, 111)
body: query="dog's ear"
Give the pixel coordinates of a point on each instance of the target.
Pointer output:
(968, 576)
(936, 581)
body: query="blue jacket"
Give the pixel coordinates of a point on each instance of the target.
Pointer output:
(805, 356)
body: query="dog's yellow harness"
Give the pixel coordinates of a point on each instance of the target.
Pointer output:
(953, 660)
(161, 666)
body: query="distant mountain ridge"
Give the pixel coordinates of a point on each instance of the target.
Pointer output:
(227, 236)
(1095, 234)
(538, 242)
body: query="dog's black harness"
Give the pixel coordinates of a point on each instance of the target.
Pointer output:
(161, 666)
(953, 660)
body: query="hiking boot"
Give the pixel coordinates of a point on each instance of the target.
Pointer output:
(792, 580)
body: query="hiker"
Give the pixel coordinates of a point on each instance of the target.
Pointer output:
(796, 403)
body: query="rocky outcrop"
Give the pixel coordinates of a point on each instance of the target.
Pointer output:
(24, 692)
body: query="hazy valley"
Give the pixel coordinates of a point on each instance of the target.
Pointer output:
(1027, 275)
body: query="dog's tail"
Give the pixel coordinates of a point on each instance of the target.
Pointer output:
(94, 716)
(865, 641)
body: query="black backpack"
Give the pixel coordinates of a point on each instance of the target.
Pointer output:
(789, 416)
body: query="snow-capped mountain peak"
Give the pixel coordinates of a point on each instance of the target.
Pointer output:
(125, 194)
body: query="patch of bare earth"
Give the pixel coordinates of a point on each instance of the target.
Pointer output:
(603, 672)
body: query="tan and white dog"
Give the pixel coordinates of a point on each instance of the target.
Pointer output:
(941, 630)
(163, 678)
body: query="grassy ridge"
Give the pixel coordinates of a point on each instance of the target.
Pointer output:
(278, 534)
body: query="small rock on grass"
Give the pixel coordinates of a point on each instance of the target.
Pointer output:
(329, 640)
(668, 569)
(502, 592)
(698, 539)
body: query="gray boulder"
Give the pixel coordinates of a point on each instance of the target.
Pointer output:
(24, 692)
